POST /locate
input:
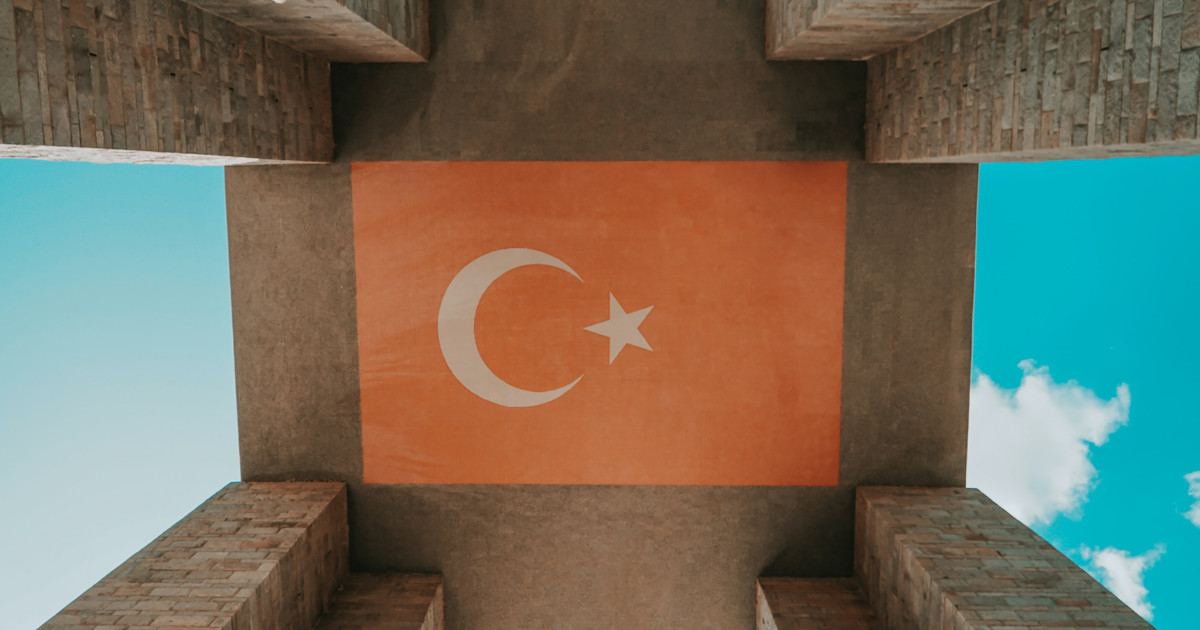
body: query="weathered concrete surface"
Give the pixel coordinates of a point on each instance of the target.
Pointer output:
(391, 601)
(906, 354)
(336, 30)
(855, 29)
(812, 604)
(1042, 80)
(156, 77)
(951, 558)
(295, 341)
(604, 80)
(262, 556)
(608, 80)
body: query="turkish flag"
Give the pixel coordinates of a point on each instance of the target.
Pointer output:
(600, 322)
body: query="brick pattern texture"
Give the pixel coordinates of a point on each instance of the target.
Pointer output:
(950, 558)
(1042, 79)
(261, 556)
(387, 601)
(855, 29)
(813, 604)
(156, 76)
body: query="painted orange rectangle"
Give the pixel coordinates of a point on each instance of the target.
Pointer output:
(600, 323)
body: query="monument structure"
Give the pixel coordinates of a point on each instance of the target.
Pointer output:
(599, 313)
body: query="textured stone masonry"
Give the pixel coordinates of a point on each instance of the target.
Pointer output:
(812, 604)
(1039, 80)
(159, 77)
(950, 558)
(395, 601)
(855, 29)
(261, 556)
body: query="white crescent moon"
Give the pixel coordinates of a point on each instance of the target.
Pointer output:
(456, 326)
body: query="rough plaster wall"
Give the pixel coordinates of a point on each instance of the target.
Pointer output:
(1042, 80)
(154, 76)
(603, 80)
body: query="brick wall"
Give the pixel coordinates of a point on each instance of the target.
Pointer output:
(81, 76)
(260, 556)
(951, 558)
(1042, 79)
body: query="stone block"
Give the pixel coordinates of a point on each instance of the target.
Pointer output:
(155, 81)
(262, 556)
(951, 558)
(1131, 75)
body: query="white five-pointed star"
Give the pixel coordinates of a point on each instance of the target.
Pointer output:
(621, 328)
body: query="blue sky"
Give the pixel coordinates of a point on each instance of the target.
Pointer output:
(1089, 270)
(117, 409)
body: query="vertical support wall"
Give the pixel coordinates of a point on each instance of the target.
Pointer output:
(260, 556)
(154, 81)
(1042, 80)
(951, 558)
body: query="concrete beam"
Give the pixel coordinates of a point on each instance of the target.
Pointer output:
(951, 558)
(255, 555)
(387, 600)
(336, 30)
(855, 29)
(1041, 80)
(812, 604)
(155, 81)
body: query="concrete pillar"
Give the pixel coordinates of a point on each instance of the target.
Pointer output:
(951, 558)
(255, 555)
(855, 29)
(1041, 80)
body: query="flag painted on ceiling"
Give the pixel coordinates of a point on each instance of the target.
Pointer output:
(646, 323)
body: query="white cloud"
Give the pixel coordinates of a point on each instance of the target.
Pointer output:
(1124, 575)
(1193, 480)
(1030, 449)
